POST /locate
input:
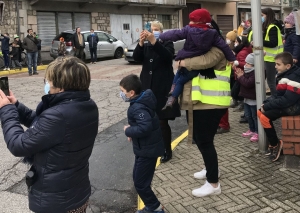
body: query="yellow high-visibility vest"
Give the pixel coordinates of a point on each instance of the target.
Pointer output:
(272, 52)
(213, 91)
(250, 36)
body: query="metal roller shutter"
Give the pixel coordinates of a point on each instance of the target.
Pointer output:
(46, 27)
(83, 21)
(64, 22)
(225, 23)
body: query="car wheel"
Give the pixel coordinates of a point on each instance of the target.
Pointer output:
(118, 53)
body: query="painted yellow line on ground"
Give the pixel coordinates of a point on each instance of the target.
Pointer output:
(140, 204)
(10, 72)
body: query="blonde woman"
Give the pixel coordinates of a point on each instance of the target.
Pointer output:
(157, 74)
(59, 139)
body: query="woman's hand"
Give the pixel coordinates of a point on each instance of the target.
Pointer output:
(180, 63)
(12, 97)
(3, 99)
(143, 37)
(239, 72)
(151, 38)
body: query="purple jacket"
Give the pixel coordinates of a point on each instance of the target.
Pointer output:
(198, 42)
(247, 82)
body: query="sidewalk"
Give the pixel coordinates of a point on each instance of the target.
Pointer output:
(24, 69)
(249, 181)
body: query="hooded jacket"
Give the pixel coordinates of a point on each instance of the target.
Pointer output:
(288, 93)
(198, 42)
(292, 44)
(60, 137)
(144, 127)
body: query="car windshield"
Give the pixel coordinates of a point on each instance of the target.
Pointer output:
(111, 37)
(66, 36)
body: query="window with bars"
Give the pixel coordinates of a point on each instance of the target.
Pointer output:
(126, 27)
(165, 20)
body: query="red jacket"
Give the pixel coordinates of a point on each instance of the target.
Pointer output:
(241, 56)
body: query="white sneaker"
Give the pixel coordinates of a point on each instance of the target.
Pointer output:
(202, 174)
(8, 68)
(207, 189)
(5, 68)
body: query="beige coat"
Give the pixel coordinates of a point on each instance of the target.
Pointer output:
(214, 58)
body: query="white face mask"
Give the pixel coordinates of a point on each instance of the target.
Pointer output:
(243, 24)
(228, 41)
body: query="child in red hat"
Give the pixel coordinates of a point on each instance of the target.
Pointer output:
(200, 38)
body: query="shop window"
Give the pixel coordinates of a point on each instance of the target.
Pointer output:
(165, 20)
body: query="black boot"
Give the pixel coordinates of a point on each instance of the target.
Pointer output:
(167, 156)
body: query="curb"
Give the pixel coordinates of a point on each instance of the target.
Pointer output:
(23, 70)
(174, 143)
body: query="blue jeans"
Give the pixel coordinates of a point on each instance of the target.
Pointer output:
(5, 57)
(182, 76)
(251, 115)
(143, 172)
(32, 61)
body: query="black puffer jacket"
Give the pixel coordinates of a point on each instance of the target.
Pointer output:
(60, 136)
(144, 127)
(288, 93)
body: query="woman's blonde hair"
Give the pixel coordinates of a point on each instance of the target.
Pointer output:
(68, 73)
(157, 24)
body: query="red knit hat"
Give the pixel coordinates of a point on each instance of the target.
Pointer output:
(200, 15)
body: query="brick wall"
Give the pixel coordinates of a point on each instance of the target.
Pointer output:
(291, 135)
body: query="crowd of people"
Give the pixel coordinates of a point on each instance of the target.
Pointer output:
(213, 73)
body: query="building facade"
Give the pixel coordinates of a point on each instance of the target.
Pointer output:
(124, 19)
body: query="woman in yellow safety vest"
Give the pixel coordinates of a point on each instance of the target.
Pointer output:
(206, 101)
(272, 42)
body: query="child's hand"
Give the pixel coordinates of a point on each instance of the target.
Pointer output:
(239, 72)
(129, 139)
(125, 127)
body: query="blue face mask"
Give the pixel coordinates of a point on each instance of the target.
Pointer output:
(262, 19)
(92, 33)
(124, 97)
(47, 88)
(156, 34)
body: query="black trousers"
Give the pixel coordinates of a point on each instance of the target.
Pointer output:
(93, 51)
(266, 119)
(205, 126)
(143, 172)
(79, 53)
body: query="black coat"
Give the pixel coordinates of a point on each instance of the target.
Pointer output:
(157, 74)
(292, 45)
(60, 137)
(14, 53)
(144, 127)
(288, 93)
(75, 41)
(4, 42)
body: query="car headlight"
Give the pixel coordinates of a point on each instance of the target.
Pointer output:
(125, 50)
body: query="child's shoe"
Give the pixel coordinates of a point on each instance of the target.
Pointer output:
(254, 138)
(160, 209)
(248, 134)
(171, 100)
(172, 89)
(5, 68)
(8, 68)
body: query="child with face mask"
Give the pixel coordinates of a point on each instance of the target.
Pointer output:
(145, 134)
(246, 79)
(200, 38)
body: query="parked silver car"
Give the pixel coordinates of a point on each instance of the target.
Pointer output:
(108, 46)
(178, 45)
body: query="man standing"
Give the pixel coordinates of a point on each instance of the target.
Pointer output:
(5, 49)
(30, 43)
(93, 39)
(78, 43)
